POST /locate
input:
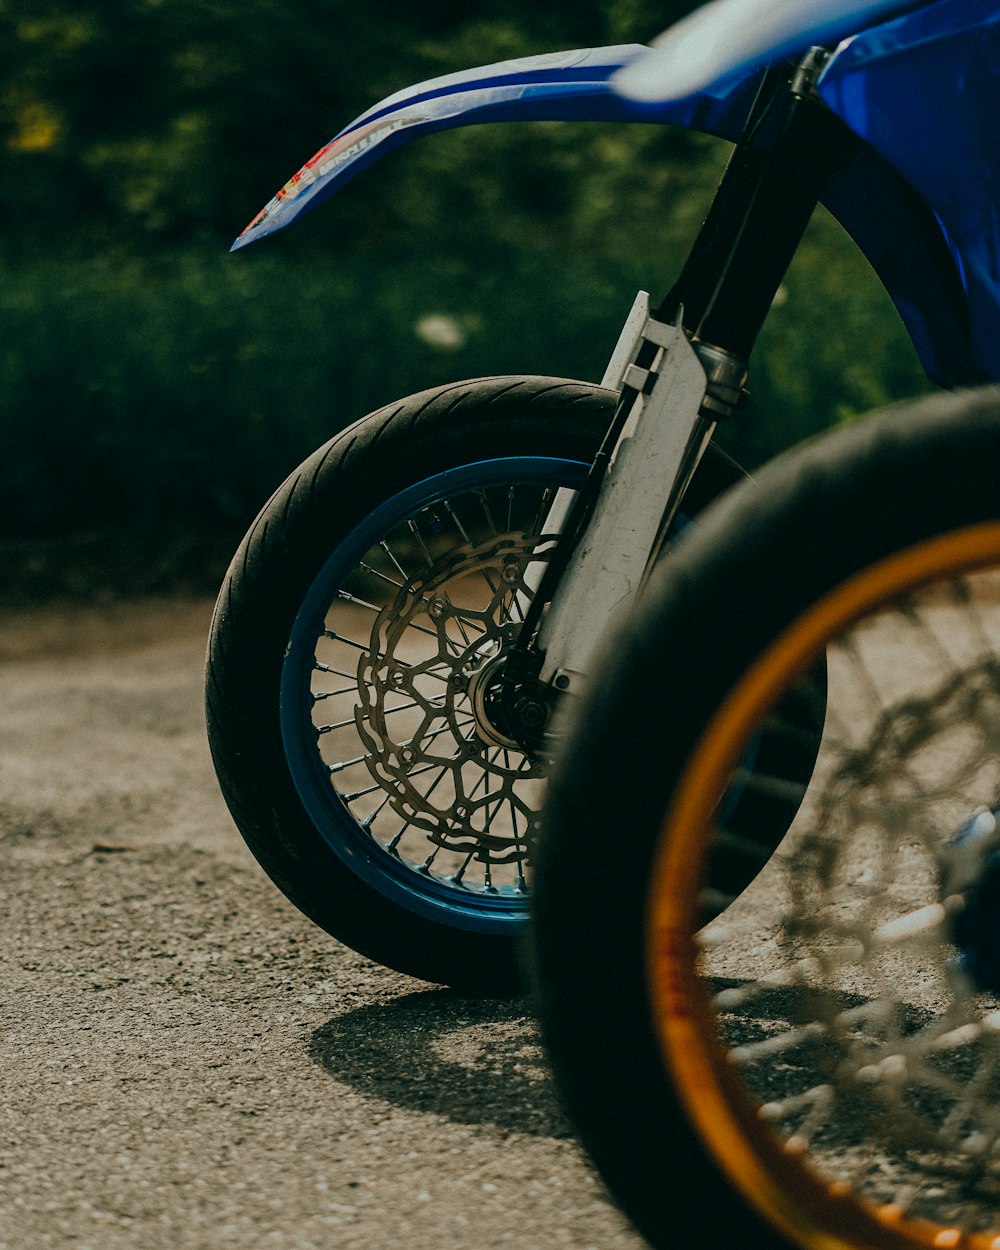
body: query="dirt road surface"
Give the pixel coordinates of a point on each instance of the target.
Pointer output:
(186, 1061)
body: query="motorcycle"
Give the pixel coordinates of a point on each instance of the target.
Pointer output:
(808, 1058)
(400, 623)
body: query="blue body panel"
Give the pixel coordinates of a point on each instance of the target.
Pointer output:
(924, 91)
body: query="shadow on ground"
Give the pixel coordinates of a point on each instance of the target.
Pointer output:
(489, 1050)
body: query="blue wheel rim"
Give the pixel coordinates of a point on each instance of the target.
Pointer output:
(512, 488)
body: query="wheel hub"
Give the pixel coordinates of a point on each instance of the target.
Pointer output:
(485, 691)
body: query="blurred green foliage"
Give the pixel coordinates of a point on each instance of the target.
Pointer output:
(149, 381)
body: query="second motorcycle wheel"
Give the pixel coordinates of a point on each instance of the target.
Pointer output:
(350, 666)
(819, 1066)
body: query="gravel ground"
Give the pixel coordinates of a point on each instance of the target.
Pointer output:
(186, 1061)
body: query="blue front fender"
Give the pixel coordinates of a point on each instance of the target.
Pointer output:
(563, 86)
(893, 225)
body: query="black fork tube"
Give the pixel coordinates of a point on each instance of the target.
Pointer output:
(771, 186)
(767, 195)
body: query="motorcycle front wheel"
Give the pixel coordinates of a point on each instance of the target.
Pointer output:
(818, 1065)
(350, 660)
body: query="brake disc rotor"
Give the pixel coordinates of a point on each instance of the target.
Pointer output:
(434, 652)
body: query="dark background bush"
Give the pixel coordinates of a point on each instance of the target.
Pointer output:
(154, 390)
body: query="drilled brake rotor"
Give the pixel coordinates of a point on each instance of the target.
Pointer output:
(433, 745)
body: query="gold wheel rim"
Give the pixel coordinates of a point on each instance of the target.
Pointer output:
(773, 1178)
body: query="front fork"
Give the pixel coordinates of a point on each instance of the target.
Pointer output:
(661, 442)
(679, 370)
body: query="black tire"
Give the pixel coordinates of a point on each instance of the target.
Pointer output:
(276, 761)
(757, 565)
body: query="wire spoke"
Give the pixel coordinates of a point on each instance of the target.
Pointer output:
(833, 978)
(438, 601)
(488, 514)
